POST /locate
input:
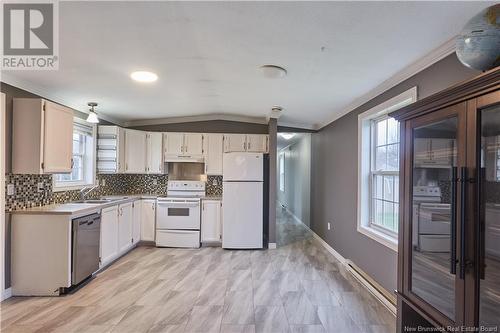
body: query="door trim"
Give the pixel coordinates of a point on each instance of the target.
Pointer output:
(4, 294)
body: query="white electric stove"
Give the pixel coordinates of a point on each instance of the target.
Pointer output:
(178, 215)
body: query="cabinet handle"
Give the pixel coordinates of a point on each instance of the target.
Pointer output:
(244, 146)
(463, 198)
(248, 146)
(72, 163)
(453, 243)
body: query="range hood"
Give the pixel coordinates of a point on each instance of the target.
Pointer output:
(185, 158)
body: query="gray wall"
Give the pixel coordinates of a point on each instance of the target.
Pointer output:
(297, 194)
(334, 175)
(210, 126)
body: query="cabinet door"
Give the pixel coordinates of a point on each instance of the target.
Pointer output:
(435, 257)
(193, 144)
(211, 221)
(422, 151)
(235, 143)
(174, 144)
(213, 153)
(485, 211)
(442, 151)
(148, 220)
(58, 139)
(125, 227)
(257, 143)
(135, 151)
(136, 221)
(154, 152)
(109, 235)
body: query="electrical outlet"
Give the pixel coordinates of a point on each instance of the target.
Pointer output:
(329, 227)
(103, 182)
(214, 182)
(40, 187)
(11, 190)
(155, 181)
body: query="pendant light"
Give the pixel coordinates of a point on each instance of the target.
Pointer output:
(92, 118)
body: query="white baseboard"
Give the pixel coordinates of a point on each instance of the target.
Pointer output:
(7, 293)
(271, 246)
(348, 265)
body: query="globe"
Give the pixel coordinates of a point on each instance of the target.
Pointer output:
(478, 45)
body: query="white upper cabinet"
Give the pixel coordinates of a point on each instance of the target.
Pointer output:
(193, 144)
(42, 139)
(255, 143)
(174, 143)
(154, 149)
(235, 142)
(135, 151)
(211, 221)
(213, 150)
(182, 146)
(435, 152)
(110, 149)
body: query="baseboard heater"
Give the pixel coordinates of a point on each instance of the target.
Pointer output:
(376, 289)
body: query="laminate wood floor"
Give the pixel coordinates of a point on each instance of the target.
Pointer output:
(298, 287)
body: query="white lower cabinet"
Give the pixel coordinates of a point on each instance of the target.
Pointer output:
(109, 235)
(211, 221)
(136, 221)
(148, 218)
(125, 216)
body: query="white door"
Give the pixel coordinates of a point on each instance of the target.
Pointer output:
(213, 153)
(174, 144)
(211, 221)
(193, 144)
(155, 157)
(257, 143)
(135, 151)
(109, 235)
(242, 226)
(243, 167)
(125, 227)
(148, 220)
(58, 138)
(234, 143)
(136, 221)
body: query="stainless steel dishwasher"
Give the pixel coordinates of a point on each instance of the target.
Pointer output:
(86, 238)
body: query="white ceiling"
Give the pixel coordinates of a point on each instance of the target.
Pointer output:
(207, 55)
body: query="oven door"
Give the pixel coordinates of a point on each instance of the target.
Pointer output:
(434, 219)
(183, 214)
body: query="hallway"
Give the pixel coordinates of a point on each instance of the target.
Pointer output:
(298, 287)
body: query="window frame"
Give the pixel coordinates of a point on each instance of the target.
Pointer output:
(366, 160)
(281, 161)
(58, 186)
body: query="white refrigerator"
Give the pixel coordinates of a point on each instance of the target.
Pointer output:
(242, 201)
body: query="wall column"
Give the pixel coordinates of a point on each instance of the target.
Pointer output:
(273, 135)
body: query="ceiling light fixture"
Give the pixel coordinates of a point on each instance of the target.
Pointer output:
(144, 76)
(92, 118)
(273, 71)
(287, 136)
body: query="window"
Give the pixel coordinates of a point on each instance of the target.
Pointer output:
(282, 172)
(378, 170)
(384, 175)
(83, 172)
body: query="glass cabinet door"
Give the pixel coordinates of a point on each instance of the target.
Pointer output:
(489, 218)
(438, 152)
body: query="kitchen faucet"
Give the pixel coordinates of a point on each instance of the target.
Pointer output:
(86, 190)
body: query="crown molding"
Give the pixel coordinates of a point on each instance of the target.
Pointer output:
(30, 87)
(429, 59)
(190, 119)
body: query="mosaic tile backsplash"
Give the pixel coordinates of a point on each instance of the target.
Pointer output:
(27, 193)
